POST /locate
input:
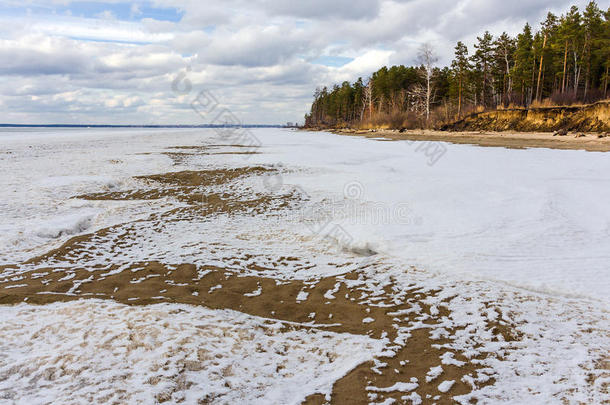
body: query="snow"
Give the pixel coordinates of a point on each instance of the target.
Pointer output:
(388, 401)
(101, 352)
(534, 218)
(525, 230)
(40, 170)
(434, 373)
(413, 398)
(399, 386)
(67, 225)
(255, 293)
(448, 359)
(302, 296)
(329, 295)
(445, 385)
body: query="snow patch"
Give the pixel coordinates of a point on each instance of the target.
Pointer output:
(399, 386)
(445, 385)
(434, 373)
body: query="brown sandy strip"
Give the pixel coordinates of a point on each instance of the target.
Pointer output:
(181, 154)
(511, 140)
(211, 146)
(189, 187)
(180, 158)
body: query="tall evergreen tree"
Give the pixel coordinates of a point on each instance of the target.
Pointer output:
(593, 29)
(482, 60)
(524, 59)
(460, 66)
(549, 26)
(603, 52)
(573, 29)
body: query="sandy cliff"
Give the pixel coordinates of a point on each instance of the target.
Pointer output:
(589, 118)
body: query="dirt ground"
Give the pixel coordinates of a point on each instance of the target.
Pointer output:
(513, 140)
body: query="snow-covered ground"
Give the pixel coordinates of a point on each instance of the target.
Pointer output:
(40, 170)
(104, 352)
(488, 221)
(535, 218)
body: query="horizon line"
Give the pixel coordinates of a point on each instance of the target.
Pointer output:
(143, 126)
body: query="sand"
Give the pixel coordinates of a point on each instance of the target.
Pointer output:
(513, 140)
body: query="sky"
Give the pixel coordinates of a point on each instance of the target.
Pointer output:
(146, 62)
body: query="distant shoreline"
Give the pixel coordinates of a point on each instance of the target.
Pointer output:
(136, 126)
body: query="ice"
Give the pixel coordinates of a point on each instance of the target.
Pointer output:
(535, 218)
(41, 170)
(67, 225)
(524, 230)
(101, 352)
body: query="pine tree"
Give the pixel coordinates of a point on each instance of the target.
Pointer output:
(460, 66)
(549, 27)
(574, 35)
(568, 59)
(524, 59)
(593, 28)
(482, 60)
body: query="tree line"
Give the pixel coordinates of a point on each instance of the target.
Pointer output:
(565, 61)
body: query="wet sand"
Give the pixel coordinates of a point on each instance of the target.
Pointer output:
(513, 140)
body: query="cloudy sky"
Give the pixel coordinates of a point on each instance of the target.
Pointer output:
(114, 62)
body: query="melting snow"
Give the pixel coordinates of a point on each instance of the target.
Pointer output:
(105, 352)
(445, 385)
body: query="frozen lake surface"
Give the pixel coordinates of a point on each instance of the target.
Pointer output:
(519, 239)
(536, 219)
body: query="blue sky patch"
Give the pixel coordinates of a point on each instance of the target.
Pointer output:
(92, 9)
(122, 11)
(332, 61)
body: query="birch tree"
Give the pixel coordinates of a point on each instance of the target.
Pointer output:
(427, 58)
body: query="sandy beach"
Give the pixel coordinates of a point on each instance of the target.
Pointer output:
(593, 142)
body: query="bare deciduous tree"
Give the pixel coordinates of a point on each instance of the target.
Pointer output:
(417, 99)
(368, 100)
(427, 58)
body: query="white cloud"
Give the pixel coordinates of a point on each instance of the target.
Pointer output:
(257, 55)
(362, 66)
